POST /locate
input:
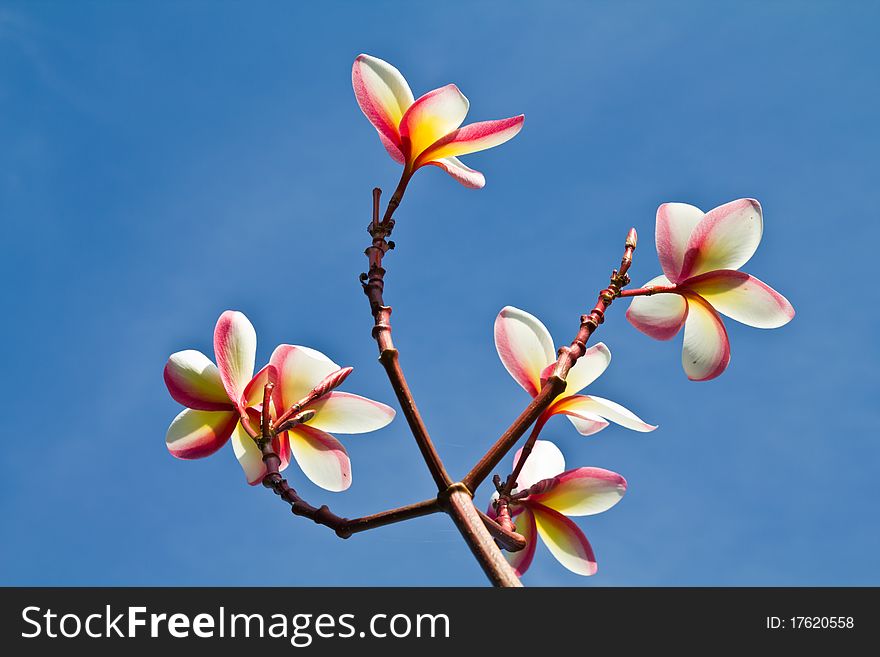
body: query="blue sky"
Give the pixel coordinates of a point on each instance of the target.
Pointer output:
(160, 162)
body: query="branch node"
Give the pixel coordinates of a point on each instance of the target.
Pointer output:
(444, 495)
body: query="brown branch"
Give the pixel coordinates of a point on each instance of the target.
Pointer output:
(374, 285)
(458, 503)
(555, 384)
(453, 498)
(343, 527)
(400, 514)
(510, 484)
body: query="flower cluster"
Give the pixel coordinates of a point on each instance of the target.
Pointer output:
(551, 492)
(221, 398)
(295, 402)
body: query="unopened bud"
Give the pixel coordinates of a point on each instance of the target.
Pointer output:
(632, 238)
(333, 380)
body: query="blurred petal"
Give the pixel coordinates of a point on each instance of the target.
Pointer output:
(545, 462)
(588, 368)
(342, 412)
(725, 239)
(253, 392)
(582, 492)
(743, 298)
(675, 223)
(431, 117)
(383, 96)
(706, 350)
(322, 458)
(660, 315)
(196, 434)
(565, 540)
(249, 455)
(520, 561)
(472, 138)
(463, 174)
(524, 345)
(299, 370)
(235, 348)
(194, 381)
(589, 406)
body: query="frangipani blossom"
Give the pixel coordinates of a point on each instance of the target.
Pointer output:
(426, 130)
(218, 396)
(555, 494)
(700, 255)
(526, 350)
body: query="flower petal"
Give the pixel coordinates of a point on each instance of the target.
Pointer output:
(249, 455)
(659, 316)
(582, 492)
(463, 174)
(565, 540)
(588, 368)
(253, 391)
(587, 424)
(194, 381)
(383, 96)
(589, 406)
(743, 298)
(196, 434)
(725, 239)
(706, 350)
(524, 345)
(235, 348)
(431, 117)
(299, 370)
(343, 412)
(472, 138)
(675, 223)
(322, 458)
(545, 462)
(525, 526)
(281, 444)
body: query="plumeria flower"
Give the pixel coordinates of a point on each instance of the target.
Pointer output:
(425, 131)
(700, 254)
(554, 494)
(218, 396)
(526, 349)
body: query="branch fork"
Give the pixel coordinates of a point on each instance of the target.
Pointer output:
(484, 535)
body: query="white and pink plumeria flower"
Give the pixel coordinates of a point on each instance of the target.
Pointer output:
(427, 130)
(218, 396)
(527, 352)
(555, 493)
(700, 254)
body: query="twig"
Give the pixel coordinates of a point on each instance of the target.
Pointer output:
(374, 284)
(453, 498)
(647, 291)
